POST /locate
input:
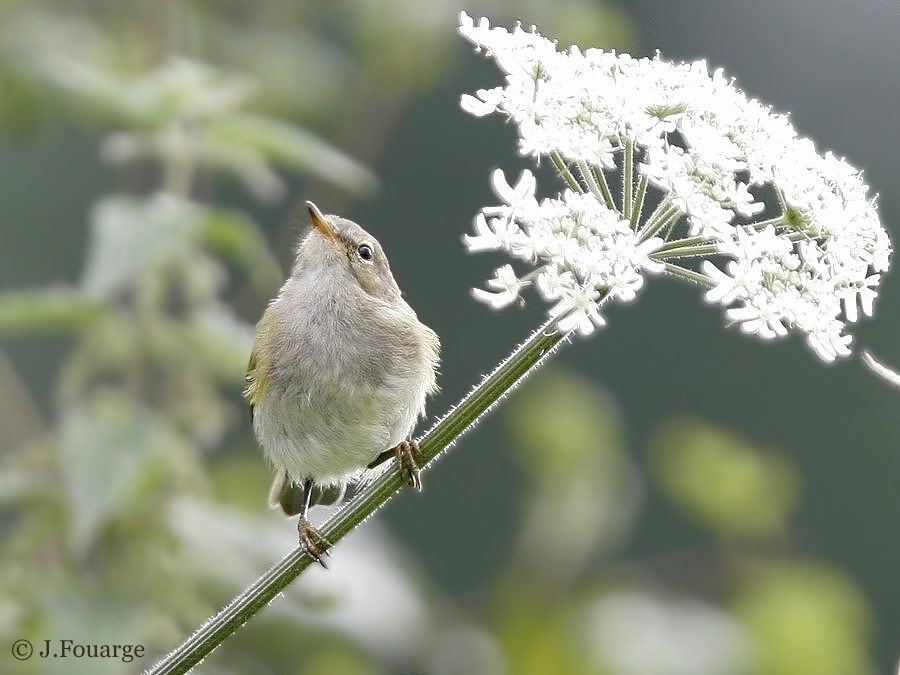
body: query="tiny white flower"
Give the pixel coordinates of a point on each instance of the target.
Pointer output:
(505, 287)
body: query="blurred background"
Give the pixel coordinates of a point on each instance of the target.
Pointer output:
(668, 497)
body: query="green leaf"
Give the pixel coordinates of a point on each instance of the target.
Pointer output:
(724, 481)
(236, 238)
(806, 619)
(216, 341)
(51, 309)
(585, 491)
(563, 424)
(108, 444)
(128, 235)
(296, 148)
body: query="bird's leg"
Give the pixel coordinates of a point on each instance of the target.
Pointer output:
(405, 452)
(311, 539)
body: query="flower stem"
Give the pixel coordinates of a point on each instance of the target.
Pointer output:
(689, 275)
(661, 212)
(598, 187)
(686, 252)
(638, 203)
(441, 436)
(628, 179)
(682, 243)
(600, 177)
(671, 216)
(565, 173)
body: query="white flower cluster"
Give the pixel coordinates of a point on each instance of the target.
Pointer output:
(580, 248)
(712, 153)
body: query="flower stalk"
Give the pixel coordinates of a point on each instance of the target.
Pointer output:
(466, 414)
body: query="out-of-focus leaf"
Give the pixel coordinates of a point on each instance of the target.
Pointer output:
(107, 445)
(87, 617)
(130, 234)
(563, 423)
(181, 89)
(727, 483)
(295, 148)
(807, 620)
(289, 60)
(642, 632)
(368, 594)
(586, 492)
(234, 236)
(538, 636)
(16, 484)
(20, 106)
(52, 309)
(216, 342)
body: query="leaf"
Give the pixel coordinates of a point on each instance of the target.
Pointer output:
(295, 148)
(49, 309)
(806, 619)
(108, 445)
(724, 481)
(564, 424)
(237, 238)
(216, 341)
(128, 235)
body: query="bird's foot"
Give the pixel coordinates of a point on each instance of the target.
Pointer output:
(405, 453)
(312, 541)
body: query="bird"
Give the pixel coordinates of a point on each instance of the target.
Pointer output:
(339, 373)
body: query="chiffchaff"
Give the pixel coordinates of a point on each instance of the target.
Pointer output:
(339, 372)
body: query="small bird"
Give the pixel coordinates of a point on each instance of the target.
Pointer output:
(339, 372)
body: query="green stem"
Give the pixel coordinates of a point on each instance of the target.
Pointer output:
(683, 243)
(672, 216)
(638, 203)
(777, 220)
(464, 416)
(662, 210)
(685, 252)
(565, 173)
(600, 177)
(689, 275)
(178, 168)
(598, 187)
(628, 179)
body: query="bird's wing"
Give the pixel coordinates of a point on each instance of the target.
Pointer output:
(254, 379)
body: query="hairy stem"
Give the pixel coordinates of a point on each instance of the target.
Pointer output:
(565, 173)
(441, 436)
(600, 177)
(662, 210)
(686, 252)
(672, 216)
(628, 179)
(689, 275)
(638, 203)
(598, 187)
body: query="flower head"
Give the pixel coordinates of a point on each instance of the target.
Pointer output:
(709, 156)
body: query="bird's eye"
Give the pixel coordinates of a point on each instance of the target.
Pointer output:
(365, 252)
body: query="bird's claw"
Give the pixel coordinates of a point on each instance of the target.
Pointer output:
(406, 452)
(313, 542)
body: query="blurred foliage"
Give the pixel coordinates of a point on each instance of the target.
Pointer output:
(805, 618)
(137, 508)
(724, 481)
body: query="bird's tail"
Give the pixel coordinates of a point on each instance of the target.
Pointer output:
(287, 495)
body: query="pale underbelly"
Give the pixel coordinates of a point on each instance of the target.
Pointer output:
(329, 442)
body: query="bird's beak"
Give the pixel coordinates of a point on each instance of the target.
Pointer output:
(318, 221)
